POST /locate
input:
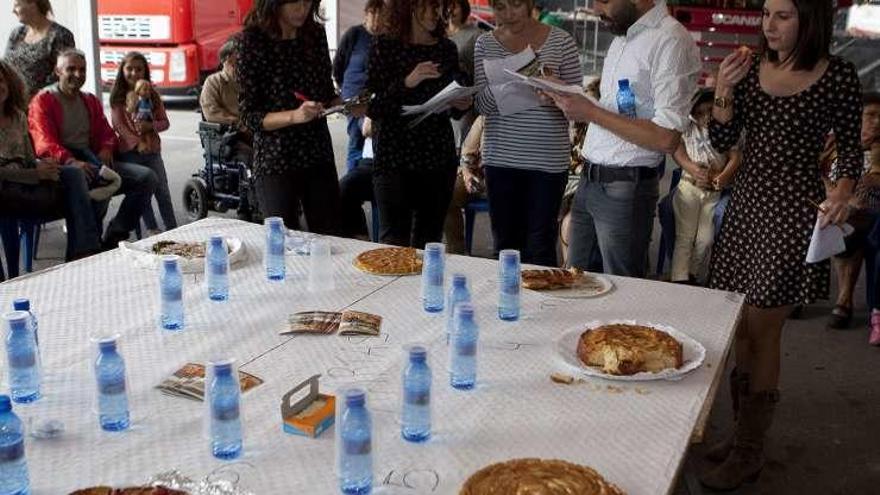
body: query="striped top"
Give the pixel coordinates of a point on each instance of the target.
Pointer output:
(534, 139)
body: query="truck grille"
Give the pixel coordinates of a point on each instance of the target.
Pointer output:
(135, 27)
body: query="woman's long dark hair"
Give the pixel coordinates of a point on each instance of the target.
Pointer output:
(264, 17)
(815, 28)
(16, 99)
(398, 17)
(120, 85)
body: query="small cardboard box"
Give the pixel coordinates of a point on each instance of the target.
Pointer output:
(312, 414)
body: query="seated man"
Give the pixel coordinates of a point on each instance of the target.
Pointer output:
(66, 122)
(219, 102)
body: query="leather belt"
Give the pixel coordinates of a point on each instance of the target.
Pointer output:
(594, 172)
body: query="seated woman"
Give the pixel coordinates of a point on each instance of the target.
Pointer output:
(865, 207)
(30, 189)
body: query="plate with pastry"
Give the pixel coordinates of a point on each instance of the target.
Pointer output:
(627, 350)
(390, 261)
(148, 254)
(569, 284)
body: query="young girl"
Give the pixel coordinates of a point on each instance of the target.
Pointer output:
(138, 138)
(704, 173)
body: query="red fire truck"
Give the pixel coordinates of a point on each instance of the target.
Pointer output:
(180, 38)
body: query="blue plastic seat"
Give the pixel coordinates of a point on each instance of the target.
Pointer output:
(470, 212)
(666, 215)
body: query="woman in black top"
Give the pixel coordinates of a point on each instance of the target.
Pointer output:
(414, 166)
(285, 76)
(33, 47)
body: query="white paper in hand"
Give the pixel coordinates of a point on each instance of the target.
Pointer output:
(543, 84)
(510, 96)
(827, 242)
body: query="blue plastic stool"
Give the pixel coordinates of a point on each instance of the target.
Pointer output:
(29, 237)
(470, 212)
(666, 215)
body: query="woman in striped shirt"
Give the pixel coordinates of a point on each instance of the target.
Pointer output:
(525, 152)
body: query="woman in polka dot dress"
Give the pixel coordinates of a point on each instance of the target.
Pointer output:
(785, 101)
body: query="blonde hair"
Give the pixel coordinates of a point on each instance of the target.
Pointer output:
(131, 100)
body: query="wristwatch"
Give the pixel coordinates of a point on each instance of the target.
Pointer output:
(723, 102)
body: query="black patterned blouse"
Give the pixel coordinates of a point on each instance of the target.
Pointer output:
(762, 247)
(36, 61)
(430, 145)
(271, 72)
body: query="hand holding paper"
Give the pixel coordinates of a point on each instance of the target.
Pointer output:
(827, 241)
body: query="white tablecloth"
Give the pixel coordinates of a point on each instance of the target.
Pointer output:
(634, 434)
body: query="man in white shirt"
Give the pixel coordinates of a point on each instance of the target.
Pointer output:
(617, 196)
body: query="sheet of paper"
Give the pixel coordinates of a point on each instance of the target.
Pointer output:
(510, 95)
(827, 242)
(442, 100)
(538, 83)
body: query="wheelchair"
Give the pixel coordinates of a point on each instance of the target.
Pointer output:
(224, 182)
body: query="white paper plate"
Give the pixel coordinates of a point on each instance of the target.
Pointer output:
(694, 353)
(581, 292)
(141, 254)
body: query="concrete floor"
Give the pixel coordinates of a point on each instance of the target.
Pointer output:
(826, 439)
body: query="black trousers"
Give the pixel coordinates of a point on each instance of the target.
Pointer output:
(313, 190)
(524, 208)
(355, 188)
(412, 205)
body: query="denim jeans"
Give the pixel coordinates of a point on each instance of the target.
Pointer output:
(80, 213)
(619, 217)
(138, 185)
(163, 194)
(355, 143)
(524, 208)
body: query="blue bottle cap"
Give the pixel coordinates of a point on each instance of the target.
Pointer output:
(169, 261)
(108, 345)
(623, 83)
(435, 247)
(355, 397)
(417, 354)
(5, 404)
(274, 222)
(21, 304)
(222, 367)
(459, 280)
(217, 241)
(508, 255)
(18, 320)
(464, 310)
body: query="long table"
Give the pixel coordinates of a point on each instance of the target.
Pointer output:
(634, 434)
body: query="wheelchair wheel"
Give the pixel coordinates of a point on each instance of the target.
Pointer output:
(195, 200)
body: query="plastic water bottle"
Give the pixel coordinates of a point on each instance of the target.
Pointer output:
(457, 294)
(217, 269)
(626, 99)
(463, 350)
(509, 283)
(275, 268)
(22, 357)
(24, 304)
(356, 459)
(112, 392)
(13, 466)
(416, 416)
(171, 291)
(432, 277)
(225, 407)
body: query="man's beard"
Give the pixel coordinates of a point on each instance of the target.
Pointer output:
(622, 20)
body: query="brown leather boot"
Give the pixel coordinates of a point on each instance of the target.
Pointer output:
(747, 457)
(739, 387)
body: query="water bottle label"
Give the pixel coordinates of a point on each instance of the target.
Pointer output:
(13, 452)
(172, 293)
(467, 348)
(417, 397)
(112, 386)
(225, 412)
(357, 446)
(218, 268)
(22, 359)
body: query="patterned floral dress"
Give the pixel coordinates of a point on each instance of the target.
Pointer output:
(762, 247)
